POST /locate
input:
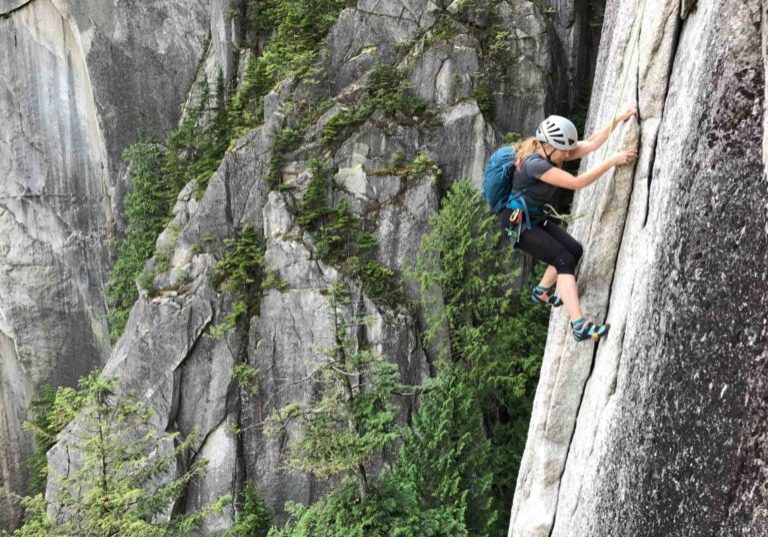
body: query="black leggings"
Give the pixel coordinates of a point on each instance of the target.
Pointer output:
(548, 242)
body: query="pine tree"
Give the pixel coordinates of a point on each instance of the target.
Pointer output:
(123, 486)
(445, 459)
(475, 421)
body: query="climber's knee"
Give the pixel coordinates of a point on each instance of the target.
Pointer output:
(565, 263)
(577, 252)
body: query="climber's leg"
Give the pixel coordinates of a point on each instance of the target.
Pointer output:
(543, 246)
(544, 293)
(566, 288)
(563, 237)
(550, 277)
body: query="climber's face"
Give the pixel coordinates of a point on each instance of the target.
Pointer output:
(555, 156)
(559, 156)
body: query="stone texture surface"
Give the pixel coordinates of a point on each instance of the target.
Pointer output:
(660, 429)
(77, 79)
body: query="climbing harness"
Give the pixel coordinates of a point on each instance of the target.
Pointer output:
(520, 217)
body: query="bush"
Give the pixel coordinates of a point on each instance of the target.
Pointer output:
(241, 272)
(387, 510)
(388, 92)
(253, 517)
(299, 28)
(147, 206)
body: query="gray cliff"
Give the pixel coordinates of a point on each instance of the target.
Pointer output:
(78, 80)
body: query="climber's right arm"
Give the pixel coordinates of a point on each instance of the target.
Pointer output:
(563, 179)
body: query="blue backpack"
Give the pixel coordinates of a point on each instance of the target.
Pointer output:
(497, 178)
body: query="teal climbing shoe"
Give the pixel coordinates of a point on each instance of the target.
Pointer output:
(544, 295)
(584, 330)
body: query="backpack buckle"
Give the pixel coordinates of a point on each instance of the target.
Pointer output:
(515, 217)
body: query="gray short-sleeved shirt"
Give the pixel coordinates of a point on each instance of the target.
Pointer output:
(532, 168)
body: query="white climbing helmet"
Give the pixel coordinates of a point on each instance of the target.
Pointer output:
(558, 132)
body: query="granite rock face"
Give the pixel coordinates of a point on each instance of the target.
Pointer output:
(77, 80)
(660, 429)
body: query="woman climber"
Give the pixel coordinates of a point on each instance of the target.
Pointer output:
(537, 176)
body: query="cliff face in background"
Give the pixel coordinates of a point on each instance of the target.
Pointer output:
(661, 428)
(80, 78)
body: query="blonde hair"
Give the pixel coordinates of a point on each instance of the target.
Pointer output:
(525, 148)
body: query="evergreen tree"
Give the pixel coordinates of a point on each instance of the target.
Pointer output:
(387, 511)
(122, 486)
(475, 421)
(445, 459)
(254, 517)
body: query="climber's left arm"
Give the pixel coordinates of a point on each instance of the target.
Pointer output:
(598, 138)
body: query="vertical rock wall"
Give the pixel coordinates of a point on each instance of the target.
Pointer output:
(660, 429)
(77, 80)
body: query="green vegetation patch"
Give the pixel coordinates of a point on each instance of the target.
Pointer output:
(241, 272)
(157, 173)
(298, 30)
(340, 239)
(112, 490)
(388, 92)
(421, 166)
(493, 354)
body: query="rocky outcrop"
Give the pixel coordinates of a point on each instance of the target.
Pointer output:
(660, 429)
(78, 79)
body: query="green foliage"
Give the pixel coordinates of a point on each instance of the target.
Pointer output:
(146, 211)
(243, 264)
(421, 166)
(387, 510)
(241, 272)
(511, 138)
(340, 239)
(496, 339)
(340, 126)
(388, 92)
(353, 419)
(482, 93)
(247, 378)
(157, 174)
(112, 492)
(284, 141)
(445, 458)
(253, 516)
(299, 29)
(196, 147)
(50, 412)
